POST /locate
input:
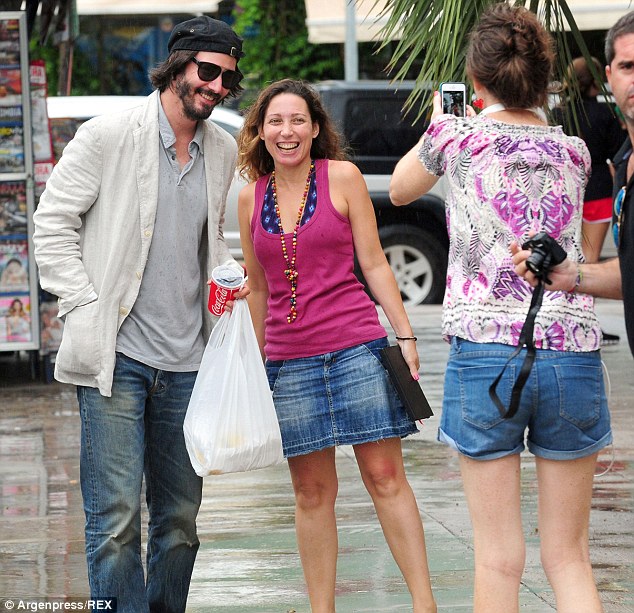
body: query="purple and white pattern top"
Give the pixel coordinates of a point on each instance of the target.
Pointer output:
(504, 181)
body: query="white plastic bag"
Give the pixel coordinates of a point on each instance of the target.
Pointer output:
(231, 425)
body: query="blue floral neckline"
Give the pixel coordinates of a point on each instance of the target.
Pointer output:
(269, 216)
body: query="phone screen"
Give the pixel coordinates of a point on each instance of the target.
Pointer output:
(453, 99)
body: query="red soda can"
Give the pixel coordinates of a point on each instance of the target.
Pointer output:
(225, 283)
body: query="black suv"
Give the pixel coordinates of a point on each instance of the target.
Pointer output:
(370, 115)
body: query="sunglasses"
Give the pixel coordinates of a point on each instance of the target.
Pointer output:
(618, 215)
(210, 72)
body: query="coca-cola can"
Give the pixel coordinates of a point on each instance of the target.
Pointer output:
(225, 283)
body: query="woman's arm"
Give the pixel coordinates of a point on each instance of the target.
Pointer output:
(259, 291)
(410, 179)
(347, 185)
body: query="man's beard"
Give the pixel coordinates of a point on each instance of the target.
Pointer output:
(185, 92)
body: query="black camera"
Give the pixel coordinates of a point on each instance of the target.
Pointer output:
(546, 253)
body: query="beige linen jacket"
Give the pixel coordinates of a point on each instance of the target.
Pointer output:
(94, 226)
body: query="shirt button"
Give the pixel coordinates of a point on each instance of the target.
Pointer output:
(123, 311)
(148, 233)
(138, 275)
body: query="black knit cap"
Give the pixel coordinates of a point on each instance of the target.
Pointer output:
(205, 34)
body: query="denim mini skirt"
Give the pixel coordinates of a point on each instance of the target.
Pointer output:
(339, 398)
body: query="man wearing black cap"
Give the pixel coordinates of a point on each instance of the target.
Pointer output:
(126, 234)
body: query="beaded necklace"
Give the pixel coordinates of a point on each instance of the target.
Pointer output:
(291, 272)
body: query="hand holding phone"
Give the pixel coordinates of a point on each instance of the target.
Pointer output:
(454, 98)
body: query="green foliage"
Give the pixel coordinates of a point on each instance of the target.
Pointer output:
(275, 42)
(50, 55)
(85, 80)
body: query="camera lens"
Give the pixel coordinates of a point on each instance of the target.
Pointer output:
(534, 262)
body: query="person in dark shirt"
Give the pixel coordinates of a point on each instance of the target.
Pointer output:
(601, 129)
(598, 124)
(608, 279)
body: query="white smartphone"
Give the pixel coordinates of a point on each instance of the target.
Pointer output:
(454, 98)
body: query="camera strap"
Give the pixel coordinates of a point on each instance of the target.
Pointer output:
(526, 340)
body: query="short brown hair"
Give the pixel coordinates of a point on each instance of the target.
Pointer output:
(512, 55)
(254, 161)
(625, 25)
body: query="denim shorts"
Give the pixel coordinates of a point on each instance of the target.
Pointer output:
(339, 398)
(563, 404)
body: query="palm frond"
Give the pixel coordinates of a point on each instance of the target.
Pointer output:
(437, 31)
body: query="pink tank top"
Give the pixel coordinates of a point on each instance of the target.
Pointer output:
(333, 310)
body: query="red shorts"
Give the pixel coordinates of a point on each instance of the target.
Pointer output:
(597, 211)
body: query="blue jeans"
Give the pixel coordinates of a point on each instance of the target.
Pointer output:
(563, 413)
(136, 432)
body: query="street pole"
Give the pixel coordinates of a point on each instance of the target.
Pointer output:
(350, 49)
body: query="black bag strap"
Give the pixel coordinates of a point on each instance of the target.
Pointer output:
(526, 340)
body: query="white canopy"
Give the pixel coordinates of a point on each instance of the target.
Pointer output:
(145, 7)
(325, 19)
(598, 14)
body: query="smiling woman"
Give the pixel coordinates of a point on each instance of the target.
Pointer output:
(303, 218)
(288, 130)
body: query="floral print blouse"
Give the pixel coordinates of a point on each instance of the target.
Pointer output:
(504, 181)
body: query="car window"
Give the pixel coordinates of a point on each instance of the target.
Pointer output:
(379, 133)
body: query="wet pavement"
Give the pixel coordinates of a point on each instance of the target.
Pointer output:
(248, 560)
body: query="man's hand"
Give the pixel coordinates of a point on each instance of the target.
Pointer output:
(563, 277)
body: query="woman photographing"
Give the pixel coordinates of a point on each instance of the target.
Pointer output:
(511, 176)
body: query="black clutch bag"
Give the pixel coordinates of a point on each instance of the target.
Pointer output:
(409, 390)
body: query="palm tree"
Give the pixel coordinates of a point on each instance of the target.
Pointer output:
(437, 31)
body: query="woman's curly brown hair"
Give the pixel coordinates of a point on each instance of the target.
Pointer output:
(254, 161)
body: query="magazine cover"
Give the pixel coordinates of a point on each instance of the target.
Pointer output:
(42, 147)
(15, 319)
(10, 86)
(11, 114)
(14, 266)
(11, 147)
(51, 327)
(9, 42)
(41, 136)
(41, 171)
(13, 208)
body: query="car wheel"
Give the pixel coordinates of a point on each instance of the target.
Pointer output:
(419, 262)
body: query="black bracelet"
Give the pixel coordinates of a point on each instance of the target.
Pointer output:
(406, 338)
